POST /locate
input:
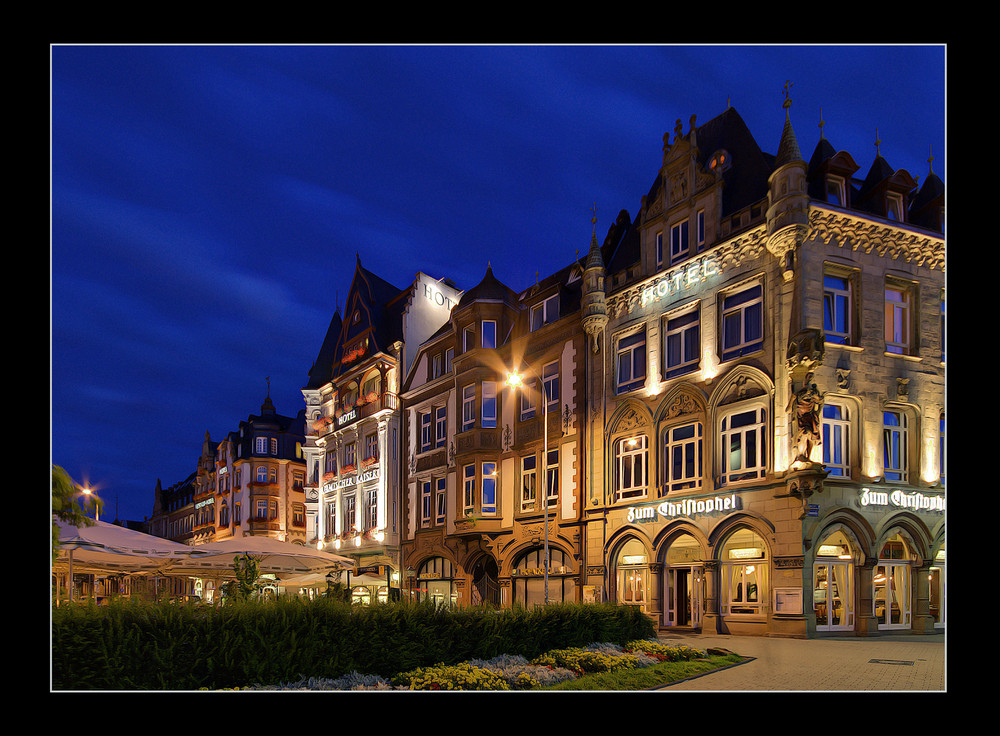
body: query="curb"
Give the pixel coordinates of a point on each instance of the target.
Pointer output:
(703, 674)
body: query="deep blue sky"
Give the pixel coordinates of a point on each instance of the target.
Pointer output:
(208, 201)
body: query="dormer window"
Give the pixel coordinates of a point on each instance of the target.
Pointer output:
(835, 191)
(894, 207)
(720, 161)
(545, 312)
(679, 241)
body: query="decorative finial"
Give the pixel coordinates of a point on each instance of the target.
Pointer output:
(728, 103)
(787, 89)
(930, 161)
(268, 379)
(821, 123)
(878, 144)
(593, 219)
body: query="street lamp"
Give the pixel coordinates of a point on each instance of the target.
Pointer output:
(515, 381)
(97, 505)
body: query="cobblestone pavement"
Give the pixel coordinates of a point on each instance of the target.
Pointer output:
(904, 662)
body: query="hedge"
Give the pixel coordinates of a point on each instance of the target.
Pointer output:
(133, 645)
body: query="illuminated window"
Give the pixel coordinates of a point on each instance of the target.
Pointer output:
(631, 458)
(489, 501)
(550, 381)
(836, 439)
(441, 498)
(681, 343)
(742, 444)
(742, 322)
(894, 445)
(528, 393)
(743, 571)
(260, 445)
(552, 479)
(898, 318)
(837, 308)
(468, 488)
(631, 362)
(528, 482)
(262, 474)
(682, 468)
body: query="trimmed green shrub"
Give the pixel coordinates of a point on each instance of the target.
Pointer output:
(133, 645)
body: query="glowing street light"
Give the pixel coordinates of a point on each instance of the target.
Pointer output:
(88, 492)
(515, 381)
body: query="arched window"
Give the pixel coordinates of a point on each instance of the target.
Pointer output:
(528, 577)
(744, 580)
(742, 442)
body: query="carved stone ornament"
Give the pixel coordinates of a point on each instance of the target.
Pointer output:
(843, 377)
(683, 404)
(806, 349)
(902, 389)
(630, 420)
(854, 233)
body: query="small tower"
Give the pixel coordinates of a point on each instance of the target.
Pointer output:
(787, 197)
(593, 310)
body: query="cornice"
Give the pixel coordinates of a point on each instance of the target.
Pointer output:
(885, 240)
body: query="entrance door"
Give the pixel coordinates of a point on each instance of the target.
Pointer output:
(685, 587)
(892, 595)
(632, 586)
(485, 586)
(833, 596)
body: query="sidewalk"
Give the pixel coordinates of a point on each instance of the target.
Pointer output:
(901, 662)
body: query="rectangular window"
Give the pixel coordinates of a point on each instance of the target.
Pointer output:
(836, 439)
(743, 445)
(681, 344)
(552, 479)
(260, 509)
(894, 460)
(260, 445)
(701, 229)
(659, 249)
(350, 455)
(371, 446)
(442, 499)
(468, 488)
(425, 503)
(441, 426)
(550, 381)
(528, 482)
(743, 322)
(547, 311)
(489, 504)
(837, 306)
(436, 366)
(262, 474)
(682, 468)
(489, 404)
(372, 508)
(274, 445)
(630, 466)
(631, 362)
(678, 241)
(425, 431)
(489, 334)
(897, 320)
(350, 514)
(449, 356)
(468, 339)
(528, 392)
(468, 407)
(331, 517)
(272, 475)
(835, 191)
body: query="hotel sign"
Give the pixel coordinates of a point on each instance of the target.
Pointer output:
(901, 500)
(350, 480)
(684, 507)
(682, 277)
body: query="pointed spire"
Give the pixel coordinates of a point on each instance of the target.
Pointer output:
(788, 149)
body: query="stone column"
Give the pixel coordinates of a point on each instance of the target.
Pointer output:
(922, 620)
(864, 614)
(711, 622)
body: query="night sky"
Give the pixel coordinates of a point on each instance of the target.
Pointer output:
(207, 202)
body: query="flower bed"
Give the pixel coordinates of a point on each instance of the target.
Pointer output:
(508, 672)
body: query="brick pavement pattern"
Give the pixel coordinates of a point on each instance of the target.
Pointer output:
(905, 662)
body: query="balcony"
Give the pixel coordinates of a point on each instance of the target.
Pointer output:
(476, 440)
(366, 407)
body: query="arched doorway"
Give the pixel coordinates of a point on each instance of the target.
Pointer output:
(684, 583)
(833, 583)
(891, 599)
(528, 578)
(485, 582)
(743, 567)
(632, 574)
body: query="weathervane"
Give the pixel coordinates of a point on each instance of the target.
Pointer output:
(787, 89)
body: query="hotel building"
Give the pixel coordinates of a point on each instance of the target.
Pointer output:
(765, 446)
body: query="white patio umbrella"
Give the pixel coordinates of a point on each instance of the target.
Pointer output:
(276, 557)
(111, 549)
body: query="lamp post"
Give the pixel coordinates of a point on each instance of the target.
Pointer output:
(87, 492)
(515, 381)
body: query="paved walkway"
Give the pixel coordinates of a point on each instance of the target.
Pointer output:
(902, 662)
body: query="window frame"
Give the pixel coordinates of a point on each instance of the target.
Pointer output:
(899, 318)
(680, 241)
(492, 333)
(543, 308)
(441, 500)
(895, 446)
(468, 488)
(468, 407)
(632, 343)
(684, 322)
(633, 490)
(529, 495)
(670, 443)
(489, 405)
(489, 484)
(426, 422)
(757, 428)
(440, 426)
(552, 479)
(743, 301)
(836, 433)
(550, 381)
(839, 305)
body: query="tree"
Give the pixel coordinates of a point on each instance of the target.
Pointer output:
(246, 585)
(66, 506)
